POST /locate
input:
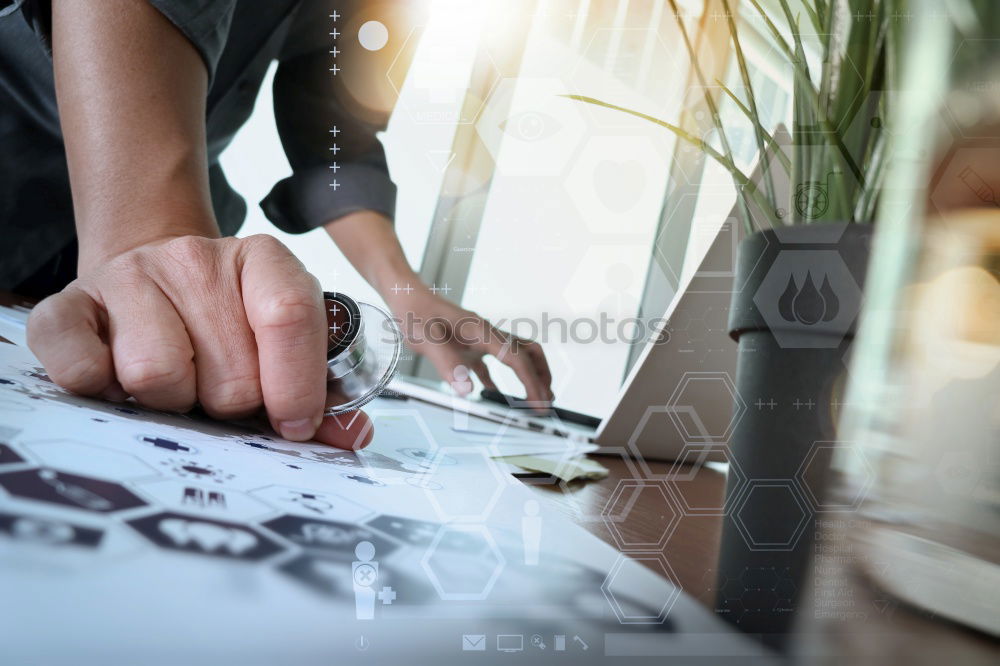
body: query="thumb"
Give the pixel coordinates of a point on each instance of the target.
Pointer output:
(351, 430)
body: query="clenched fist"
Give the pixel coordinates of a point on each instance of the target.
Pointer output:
(232, 324)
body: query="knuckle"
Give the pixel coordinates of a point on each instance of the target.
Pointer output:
(518, 362)
(312, 283)
(191, 252)
(292, 310)
(232, 397)
(152, 375)
(264, 243)
(82, 375)
(44, 319)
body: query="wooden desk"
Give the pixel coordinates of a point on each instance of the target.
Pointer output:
(693, 546)
(894, 634)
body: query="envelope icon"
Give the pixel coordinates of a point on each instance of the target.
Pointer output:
(474, 642)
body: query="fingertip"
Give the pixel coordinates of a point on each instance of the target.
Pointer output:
(543, 410)
(351, 430)
(114, 393)
(298, 430)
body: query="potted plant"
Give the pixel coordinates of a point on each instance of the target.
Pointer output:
(800, 269)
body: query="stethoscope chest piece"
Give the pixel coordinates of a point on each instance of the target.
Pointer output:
(363, 347)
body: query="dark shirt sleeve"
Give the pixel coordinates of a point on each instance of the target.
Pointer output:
(204, 22)
(309, 102)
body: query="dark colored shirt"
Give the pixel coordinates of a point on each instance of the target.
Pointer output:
(238, 40)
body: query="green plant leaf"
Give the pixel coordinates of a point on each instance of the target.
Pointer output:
(817, 163)
(768, 137)
(713, 108)
(754, 116)
(833, 133)
(813, 16)
(743, 183)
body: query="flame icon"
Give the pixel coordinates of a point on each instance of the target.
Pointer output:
(808, 305)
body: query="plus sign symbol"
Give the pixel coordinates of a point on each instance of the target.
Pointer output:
(387, 595)
(343, 320)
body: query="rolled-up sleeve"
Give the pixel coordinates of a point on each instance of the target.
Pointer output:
(333, 174)
(204, 22)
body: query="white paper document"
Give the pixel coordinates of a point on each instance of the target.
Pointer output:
(133, 536)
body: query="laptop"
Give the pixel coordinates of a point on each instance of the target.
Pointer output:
(679, 392)
(680, 395)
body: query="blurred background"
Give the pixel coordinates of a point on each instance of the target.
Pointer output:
(515, 201)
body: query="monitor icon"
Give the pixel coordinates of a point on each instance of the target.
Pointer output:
(510, 643)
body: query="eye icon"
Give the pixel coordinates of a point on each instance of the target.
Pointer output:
(530, 126)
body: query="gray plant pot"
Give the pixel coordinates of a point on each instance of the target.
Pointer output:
(794, 311)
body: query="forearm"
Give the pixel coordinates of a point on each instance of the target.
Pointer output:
(369, 242)
(131, 91)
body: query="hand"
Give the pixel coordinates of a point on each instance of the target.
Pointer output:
(453, 338)
(233, 324)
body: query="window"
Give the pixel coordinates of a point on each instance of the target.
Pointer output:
(547, 215)
(562, 245)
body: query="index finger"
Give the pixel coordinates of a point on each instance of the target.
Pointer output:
(64, 332)
(284, 306)
(507, 352)
(537, 355)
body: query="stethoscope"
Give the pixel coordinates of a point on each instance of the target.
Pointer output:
(363, 348)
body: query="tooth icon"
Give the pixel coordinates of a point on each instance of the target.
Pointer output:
(206, 536)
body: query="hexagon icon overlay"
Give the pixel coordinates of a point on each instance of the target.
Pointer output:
(806, 288)
(408, 433)
(223, 503)
(9, 456)
(537, 126)
(968, 110)
(70, 490)
(687, 422)
(584, 511)
(656, 504)
(474, 503)
(770, 515)
(965, 178)
(834, 494)
(312, 503)
(439, 78)
(335, 538)
(44, 531)
(615, 193)
(456, 577)
(688, 465)
(706, 406)
(660, 417)
(645, 611)
(757, 590)
(672, 68)
(205, 536)
(89, 459)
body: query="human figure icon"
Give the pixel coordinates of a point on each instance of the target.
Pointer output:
(531, 532)
(365, 574)
(462, 386)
